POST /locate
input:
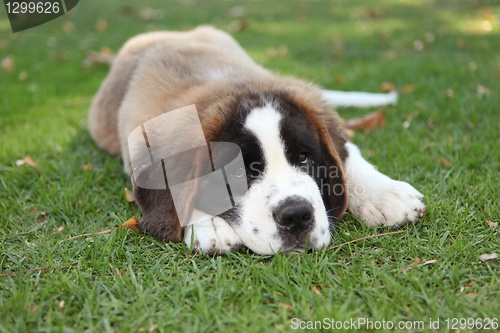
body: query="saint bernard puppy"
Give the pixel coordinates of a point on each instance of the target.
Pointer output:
(301, 172)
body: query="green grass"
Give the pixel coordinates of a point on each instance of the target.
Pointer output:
(127, 282)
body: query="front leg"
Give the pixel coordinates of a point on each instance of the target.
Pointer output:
(378, 199)
(210, 236)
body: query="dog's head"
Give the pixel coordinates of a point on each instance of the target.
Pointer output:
(292, 149)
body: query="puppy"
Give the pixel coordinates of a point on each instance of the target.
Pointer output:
(225, 155)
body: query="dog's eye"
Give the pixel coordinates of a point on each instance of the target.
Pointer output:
(303, 158)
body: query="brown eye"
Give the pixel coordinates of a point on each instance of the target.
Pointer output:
(303, 158)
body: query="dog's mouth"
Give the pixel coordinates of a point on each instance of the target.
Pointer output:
(296, 242)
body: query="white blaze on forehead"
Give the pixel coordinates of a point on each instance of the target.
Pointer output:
(264, 123)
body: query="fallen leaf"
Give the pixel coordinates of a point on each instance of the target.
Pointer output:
(28, 161)
(428, 262)
(129, 195)
(104, 56)
(148, 14)
(390, 55)
(417, 263)
(408, 89)
(237, 11)
(368, 122)
(469, 285)
(418, 45)
(87, 167)
(317, 290)
(413, 264)
(279, 52)
(488, 256)
(8, 63)
(152, 328)
(23, 76)
(62, 306)
(68, 26)
(482, 90)
(340, 79)
(42, 217)
(387, 87)
(492, 224)
(101, 25)
(238, 25)
(446, 162)
(429, 37)
(450, 93)
(472, 294)
(285, 306)
(131, 224)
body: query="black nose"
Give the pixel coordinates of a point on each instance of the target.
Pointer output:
(294, 215)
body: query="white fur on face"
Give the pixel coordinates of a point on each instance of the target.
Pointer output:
(257, 228)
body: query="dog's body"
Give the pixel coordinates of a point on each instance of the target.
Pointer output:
(302, 174)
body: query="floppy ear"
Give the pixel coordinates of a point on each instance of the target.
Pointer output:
(335, 190)
(159, 217)
(154, 192)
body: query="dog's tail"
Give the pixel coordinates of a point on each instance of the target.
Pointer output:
(359, 99)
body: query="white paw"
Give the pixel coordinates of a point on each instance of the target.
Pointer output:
(211, 236)
(389, 203)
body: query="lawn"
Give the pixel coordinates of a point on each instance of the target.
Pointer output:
(442, 136)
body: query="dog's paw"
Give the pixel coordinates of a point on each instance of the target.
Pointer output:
(211, 236)
(392, 203)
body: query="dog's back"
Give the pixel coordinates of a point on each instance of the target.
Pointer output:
(176, 60)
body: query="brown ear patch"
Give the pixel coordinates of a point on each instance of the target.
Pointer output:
(159, 217)
(331, 135)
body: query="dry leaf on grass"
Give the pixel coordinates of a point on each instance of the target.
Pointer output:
(317, 290)
(279, 52)
(148, 14)
(101, 25)
(62, 306)
(482, 90)
(42, 217)
(105, 56)
(469, 285)
(87, 167)
(369, 122)
(28, 161)
(68, 27)
(418, 263)
(488, 256)
(152, 328)
(8, 63)
(387, 87)
(237, 26)
(132, 224)
(408, 89)
(285, 306)
(491, 224)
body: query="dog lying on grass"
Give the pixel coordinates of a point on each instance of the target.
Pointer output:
(225, 154)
